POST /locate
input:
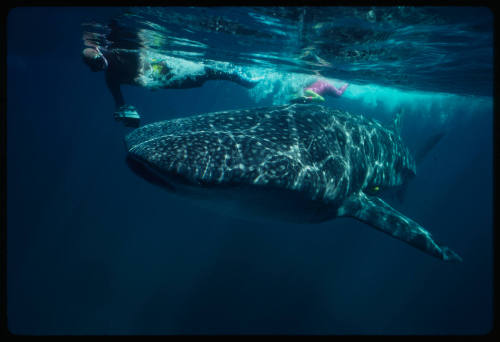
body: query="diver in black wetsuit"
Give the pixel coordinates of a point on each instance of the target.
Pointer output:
(127, 65)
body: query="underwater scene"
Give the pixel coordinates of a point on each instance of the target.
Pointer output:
(249, 170)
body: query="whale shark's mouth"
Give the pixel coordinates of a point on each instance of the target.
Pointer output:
(170, 180)
(147, 172)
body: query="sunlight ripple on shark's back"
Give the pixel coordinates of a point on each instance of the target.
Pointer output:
(300, 163)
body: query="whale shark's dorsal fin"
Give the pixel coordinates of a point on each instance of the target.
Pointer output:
(396, 122)
(380, 215)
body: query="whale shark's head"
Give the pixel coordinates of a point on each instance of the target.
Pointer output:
(167, 160)
(185, 153)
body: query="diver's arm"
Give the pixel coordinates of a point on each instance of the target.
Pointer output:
(114, 88)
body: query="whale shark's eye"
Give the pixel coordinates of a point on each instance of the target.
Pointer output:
(372, 190)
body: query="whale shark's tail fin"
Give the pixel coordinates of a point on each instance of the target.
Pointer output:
(380, 215)
(423, 151)
(427, 146)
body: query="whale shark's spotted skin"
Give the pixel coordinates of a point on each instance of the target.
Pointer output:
(326, 160)
(325, 153)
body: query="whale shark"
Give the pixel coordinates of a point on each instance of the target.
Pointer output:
(301, 163)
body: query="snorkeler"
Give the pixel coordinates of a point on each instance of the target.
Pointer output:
(128, 66)
(314, 92)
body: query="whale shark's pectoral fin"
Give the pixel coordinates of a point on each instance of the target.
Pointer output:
(378, 214)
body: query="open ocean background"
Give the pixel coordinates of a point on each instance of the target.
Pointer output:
(94, 249)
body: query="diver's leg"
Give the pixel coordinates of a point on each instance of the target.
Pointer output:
(214, 74)
(340, 91)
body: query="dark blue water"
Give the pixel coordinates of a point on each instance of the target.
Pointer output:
(94, 249)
